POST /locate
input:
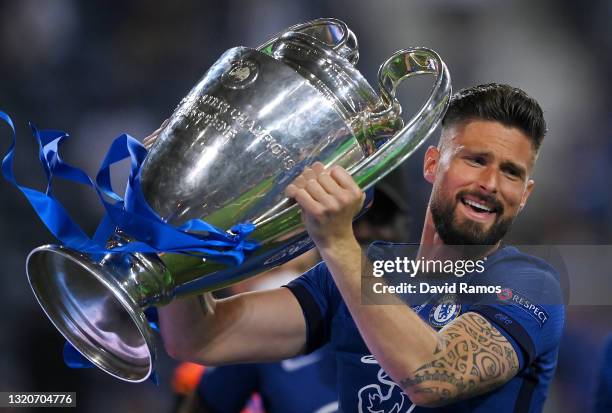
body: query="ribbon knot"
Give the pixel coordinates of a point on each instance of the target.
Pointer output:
(241, 232)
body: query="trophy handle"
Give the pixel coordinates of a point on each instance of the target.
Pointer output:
(401, 65)
(333, 33)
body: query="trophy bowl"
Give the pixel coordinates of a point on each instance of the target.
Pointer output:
(233, 144)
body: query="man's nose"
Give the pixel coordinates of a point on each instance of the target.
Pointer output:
(487, 180)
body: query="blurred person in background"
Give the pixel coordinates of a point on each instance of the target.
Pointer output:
(603, 392)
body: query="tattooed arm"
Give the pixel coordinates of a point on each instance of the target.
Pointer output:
(434, 368)
(472, 357)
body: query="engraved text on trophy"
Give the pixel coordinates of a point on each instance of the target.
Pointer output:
(208, 110)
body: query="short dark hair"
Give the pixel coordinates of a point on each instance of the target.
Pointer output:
(505, 104)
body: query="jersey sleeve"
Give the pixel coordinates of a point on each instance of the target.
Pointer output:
(318, 297)
(240, 380)
(529, 310)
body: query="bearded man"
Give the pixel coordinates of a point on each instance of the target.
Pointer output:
(480, 357)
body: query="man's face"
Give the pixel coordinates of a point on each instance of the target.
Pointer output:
(480, 181)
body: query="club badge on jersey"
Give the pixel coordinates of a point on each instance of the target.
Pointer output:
(444, 311)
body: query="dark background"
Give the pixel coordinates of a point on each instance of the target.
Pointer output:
(97, 69)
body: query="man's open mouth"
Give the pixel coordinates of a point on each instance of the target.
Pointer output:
(478, 205)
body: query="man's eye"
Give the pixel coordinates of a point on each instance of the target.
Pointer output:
(512, 174)
(476, 160)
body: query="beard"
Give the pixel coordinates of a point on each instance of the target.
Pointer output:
(467, 232)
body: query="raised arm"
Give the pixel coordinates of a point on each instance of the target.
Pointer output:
(466, 358)
(249, 327)
(434, 368)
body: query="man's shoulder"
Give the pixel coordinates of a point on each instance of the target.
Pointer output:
(529, 282)
(510, 260)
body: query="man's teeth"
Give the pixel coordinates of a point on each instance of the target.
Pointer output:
(477, 205)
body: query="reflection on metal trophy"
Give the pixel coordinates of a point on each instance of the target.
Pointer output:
(249, 126)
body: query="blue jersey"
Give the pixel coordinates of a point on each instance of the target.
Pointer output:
(305, 384)
(533, 329)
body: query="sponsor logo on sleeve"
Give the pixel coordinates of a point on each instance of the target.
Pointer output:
(508, 296)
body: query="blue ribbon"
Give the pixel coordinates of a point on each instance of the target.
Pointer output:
(132, 215)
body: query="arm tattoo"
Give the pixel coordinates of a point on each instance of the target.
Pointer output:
(471, 357)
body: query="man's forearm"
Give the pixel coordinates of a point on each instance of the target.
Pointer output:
(396, 336)
(184, 324)
(242, 328)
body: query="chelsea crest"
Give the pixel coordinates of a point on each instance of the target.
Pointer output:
(444, 311)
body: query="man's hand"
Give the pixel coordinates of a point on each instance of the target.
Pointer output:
(150, 140)
(329, 199)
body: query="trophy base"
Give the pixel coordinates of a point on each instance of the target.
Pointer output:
(93, 312)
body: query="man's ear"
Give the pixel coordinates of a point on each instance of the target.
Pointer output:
(528, 189)
(430, 164)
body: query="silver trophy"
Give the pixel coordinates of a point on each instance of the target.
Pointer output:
(249, 126)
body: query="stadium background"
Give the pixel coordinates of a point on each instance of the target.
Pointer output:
(97, 69)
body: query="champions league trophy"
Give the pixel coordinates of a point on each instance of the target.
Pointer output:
(241, 135)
